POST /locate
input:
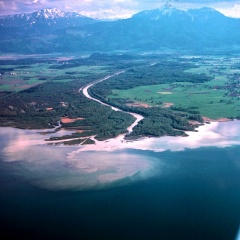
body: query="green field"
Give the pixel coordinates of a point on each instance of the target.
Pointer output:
(38, 93)
(215, 99)
(170, 94)
(25, 76)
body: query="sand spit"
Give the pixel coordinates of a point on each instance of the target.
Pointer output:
(213, 134)
(206, 119)
(219, 134)
(105, 162)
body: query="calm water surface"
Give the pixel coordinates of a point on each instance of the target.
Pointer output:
(193, 194)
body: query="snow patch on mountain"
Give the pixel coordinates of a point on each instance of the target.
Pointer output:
(47, 16)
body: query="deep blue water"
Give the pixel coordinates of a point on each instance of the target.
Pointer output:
(196, 195)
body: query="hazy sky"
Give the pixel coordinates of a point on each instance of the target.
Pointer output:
(114, 8)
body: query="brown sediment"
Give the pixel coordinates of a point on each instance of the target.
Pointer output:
(206, 119)
(70, 120)
(80, 131)
(223, 119)
(194, 122)
(167, 105)
(74, 129)
(12, 82)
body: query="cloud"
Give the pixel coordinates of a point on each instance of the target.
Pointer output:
(112, 8)
(230, 11)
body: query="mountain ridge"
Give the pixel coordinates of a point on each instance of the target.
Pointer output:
(46, 16)
(165, 27)
(53, 12)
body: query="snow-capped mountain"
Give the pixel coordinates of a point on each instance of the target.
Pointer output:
(52, 30)
(166, 11)
(170, 13)
(52, 16)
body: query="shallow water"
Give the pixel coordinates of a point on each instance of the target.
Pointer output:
(132, 190)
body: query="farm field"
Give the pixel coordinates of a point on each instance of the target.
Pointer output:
(215, 99)
(172, 93)
(21, 76)
(39, 93)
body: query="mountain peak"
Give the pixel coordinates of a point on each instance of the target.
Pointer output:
(45, 18)
(49, 13)
(205, 14)
(166, 7)
(55, 13)
(53, 10)
(166, 10)
(205, 10)
(163, 28)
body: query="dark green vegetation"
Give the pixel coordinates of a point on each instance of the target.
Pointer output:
(42, 106)
(157, 121)
(171, 93)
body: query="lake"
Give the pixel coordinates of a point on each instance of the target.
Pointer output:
(159, 188)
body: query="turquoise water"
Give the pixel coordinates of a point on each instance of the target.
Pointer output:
(190, 194)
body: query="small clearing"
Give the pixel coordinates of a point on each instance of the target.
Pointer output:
(138, 104)
(165, 93)
(70, 120)
(167, 105)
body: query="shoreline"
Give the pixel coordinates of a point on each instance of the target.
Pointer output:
(221, 119)
(111, 160)
(206, 134)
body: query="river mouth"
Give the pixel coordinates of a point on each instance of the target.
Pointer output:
(196, 192)
(158, 188)
(105, 163)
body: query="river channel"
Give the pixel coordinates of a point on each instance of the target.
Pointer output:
(85, 89)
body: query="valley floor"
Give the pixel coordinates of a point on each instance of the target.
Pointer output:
(171, 92)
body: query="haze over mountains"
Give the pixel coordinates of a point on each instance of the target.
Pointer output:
(52, 30)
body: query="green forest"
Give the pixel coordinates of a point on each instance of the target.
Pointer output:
(157, 121)
(55, 94)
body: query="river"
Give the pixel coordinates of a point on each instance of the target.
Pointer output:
(166, 188)
(84, 90)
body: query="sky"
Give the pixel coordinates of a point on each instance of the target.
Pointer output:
(113, 9)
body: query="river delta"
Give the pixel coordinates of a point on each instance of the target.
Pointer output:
(169, 187)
